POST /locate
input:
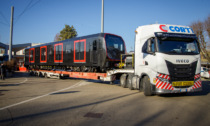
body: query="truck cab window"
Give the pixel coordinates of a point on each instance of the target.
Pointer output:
(153, 45)
(145, 46)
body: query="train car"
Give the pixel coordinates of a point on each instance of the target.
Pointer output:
(92, 53)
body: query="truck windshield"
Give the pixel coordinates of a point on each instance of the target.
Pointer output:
(115, 46)
(185, 46)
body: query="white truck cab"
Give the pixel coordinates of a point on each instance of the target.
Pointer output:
(167, 59)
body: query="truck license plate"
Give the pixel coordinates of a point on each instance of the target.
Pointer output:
(182, 83)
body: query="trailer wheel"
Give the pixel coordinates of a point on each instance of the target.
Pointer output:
(123, 79)
(39, 74)
(60, 77)
(129, 81)
(45, 75)
(147, 86)
(31, 73)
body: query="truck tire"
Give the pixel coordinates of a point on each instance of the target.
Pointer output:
(141, 85)
(129, 82)
(147, 86)
(123, 81)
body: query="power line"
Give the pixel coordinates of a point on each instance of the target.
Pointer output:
(24, 10)
(29, 6)
(4, 23)
(5, 19)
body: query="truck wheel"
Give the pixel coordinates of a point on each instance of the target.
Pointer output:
(123, 79)
(129, 82)
(147, 86)
(141, 85)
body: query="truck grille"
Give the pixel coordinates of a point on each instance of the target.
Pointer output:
(181, 72)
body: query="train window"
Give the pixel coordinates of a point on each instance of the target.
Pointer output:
(77, 47)
(31, 55)
(43, 54)
(115, 46)
(80, 50)
(58, 52)
(95, 45)
(100, 44)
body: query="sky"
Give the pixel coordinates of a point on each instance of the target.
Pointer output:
(38, 21)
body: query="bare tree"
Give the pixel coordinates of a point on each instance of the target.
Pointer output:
(200, 29)
(57, 37)
(207, 26)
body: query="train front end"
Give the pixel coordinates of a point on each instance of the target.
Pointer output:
(115, 47)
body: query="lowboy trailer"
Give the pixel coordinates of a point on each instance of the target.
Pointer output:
(166, 60)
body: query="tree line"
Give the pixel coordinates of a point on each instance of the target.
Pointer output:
(202, 31)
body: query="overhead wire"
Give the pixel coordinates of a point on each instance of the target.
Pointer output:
(29, 6)
(23, 11)
(5, 22)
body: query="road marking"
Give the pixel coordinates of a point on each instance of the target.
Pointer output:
(26, 79)
(70, 87)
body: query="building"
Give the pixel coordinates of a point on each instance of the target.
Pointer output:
(3, 52)
(17, 52)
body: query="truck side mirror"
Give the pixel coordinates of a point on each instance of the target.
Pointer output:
(149, 46)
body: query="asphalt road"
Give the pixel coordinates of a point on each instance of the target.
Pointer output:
(33, 101)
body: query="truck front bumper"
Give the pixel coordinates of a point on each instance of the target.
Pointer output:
(162, 85)
(176, 90)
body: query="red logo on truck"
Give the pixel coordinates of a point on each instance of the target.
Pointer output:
(163, 28)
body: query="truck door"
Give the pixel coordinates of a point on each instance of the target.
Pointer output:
(149, 57)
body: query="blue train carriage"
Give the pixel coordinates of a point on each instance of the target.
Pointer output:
(92, 53)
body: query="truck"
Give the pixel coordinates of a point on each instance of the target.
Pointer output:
(166, 60)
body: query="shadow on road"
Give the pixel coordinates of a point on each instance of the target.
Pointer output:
(68, 92)
(6, 85)
(64, 109)
(20, 74)
(2, 91)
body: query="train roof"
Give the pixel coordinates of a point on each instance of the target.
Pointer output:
(72, 39)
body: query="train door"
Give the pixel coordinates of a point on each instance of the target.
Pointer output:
(80, 51)
(95, 52)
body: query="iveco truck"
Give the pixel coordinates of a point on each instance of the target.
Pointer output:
(166, 60)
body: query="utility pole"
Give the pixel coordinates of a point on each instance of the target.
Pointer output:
(102, 17)
(11, 33)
